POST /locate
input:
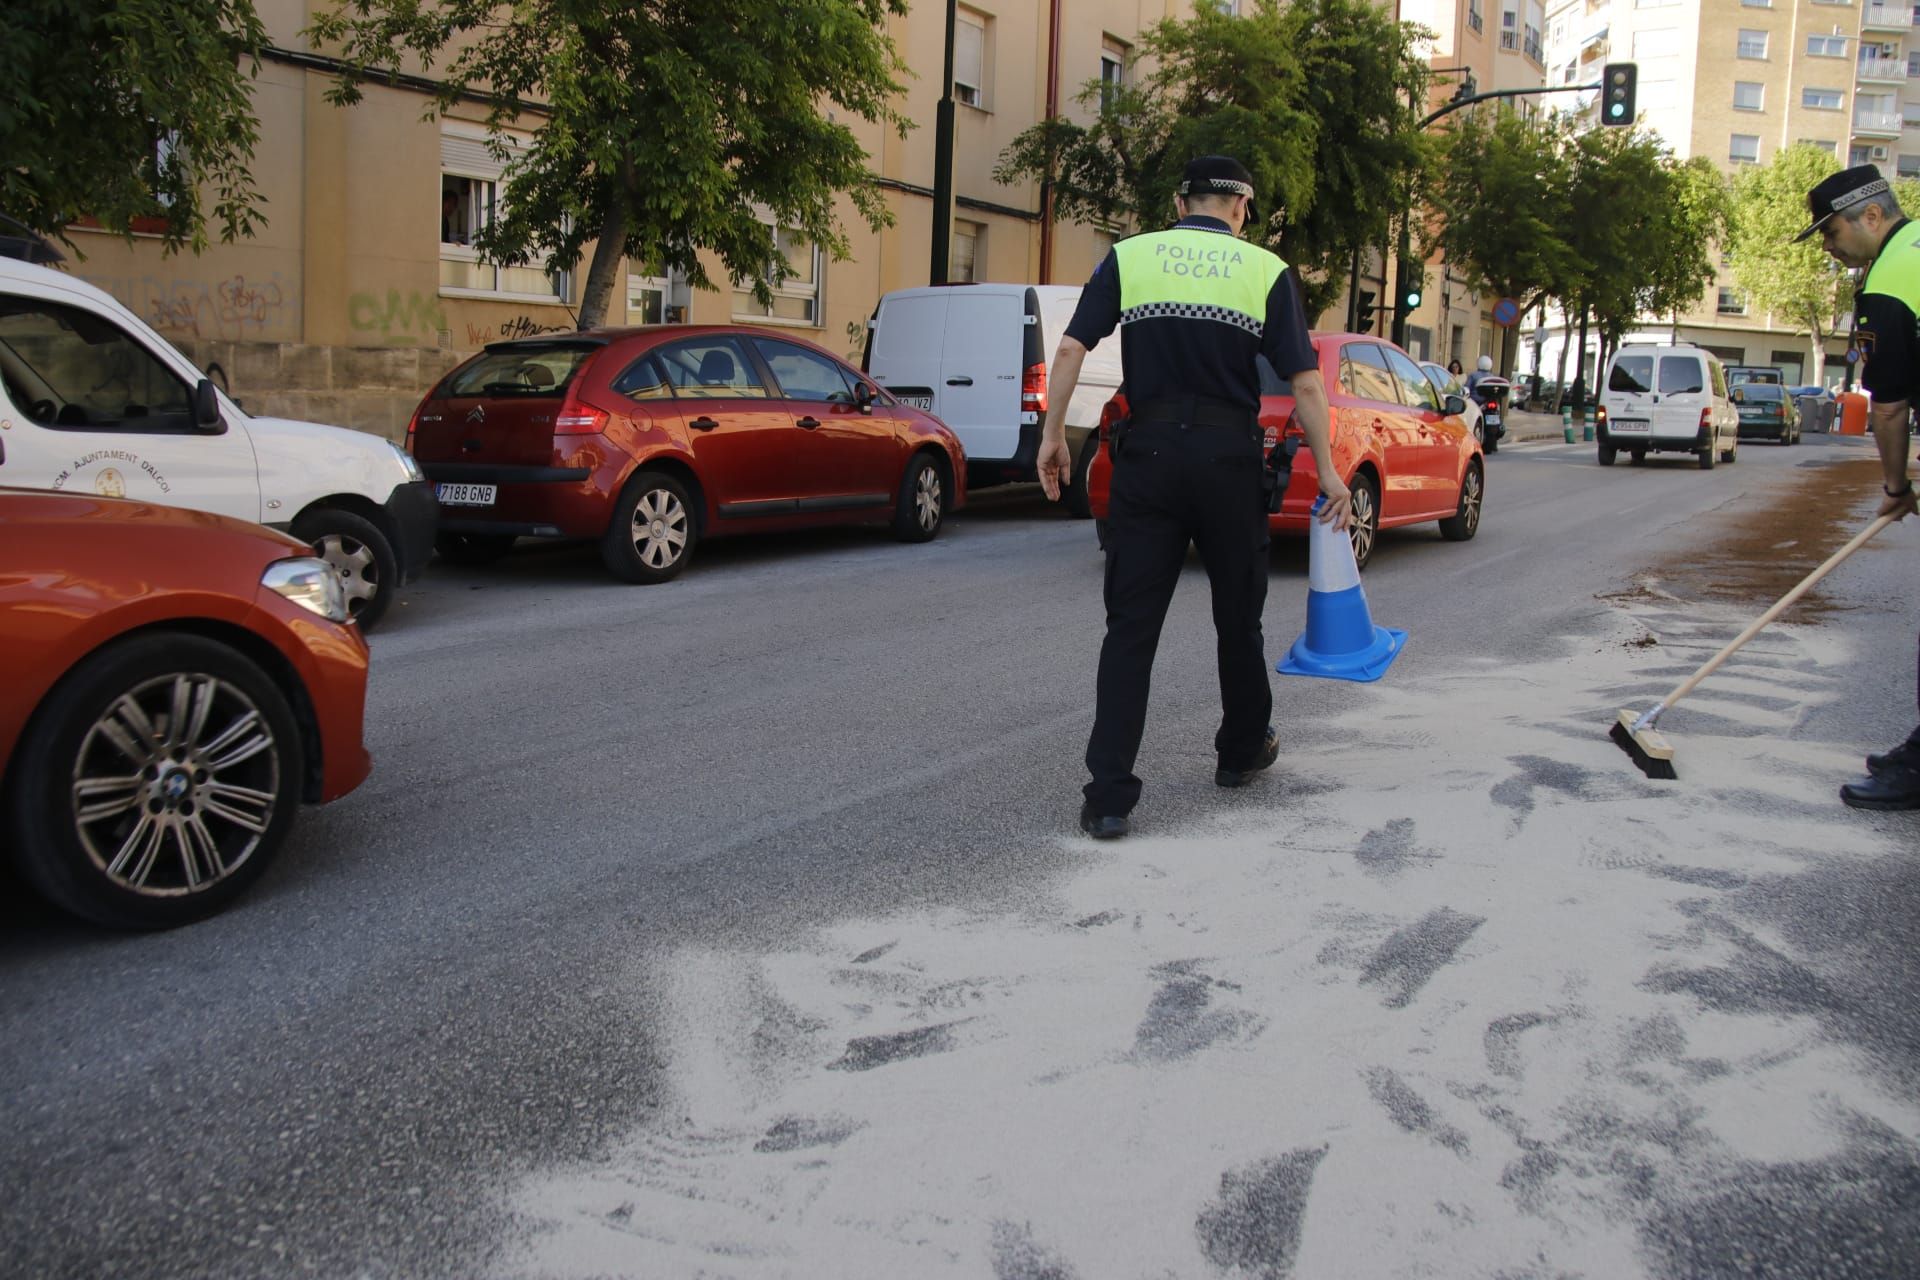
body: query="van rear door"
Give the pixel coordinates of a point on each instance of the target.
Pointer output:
(1629, 398)
(980, 367)
(903, 351)
(1681, 394)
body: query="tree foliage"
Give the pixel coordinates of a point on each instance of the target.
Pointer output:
(1504, 196)
(1799, 283)
(131, 112)
(1314, 97)
(669, 126)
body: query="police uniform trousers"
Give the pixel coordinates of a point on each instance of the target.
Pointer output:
(1177, 482)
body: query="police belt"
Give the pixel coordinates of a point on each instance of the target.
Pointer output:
(1195, 411)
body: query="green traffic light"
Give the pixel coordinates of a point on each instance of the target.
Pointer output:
(1413, 298)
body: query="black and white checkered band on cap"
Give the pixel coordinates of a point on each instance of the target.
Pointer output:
(1854, 197)
(1217, 186)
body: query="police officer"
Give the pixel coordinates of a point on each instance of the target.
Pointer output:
(1860, 223)
(1195, 306)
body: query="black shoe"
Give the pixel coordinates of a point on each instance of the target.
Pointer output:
(1905, 755)
(1103, 826)
(1894, 787)
(1269, 752)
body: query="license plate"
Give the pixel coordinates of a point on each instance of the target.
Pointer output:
(1630, 424)
(1491, 419)
(922, 403)
(465, 495)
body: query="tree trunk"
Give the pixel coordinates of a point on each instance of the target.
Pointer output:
(1818, 341)
(1560, 374)
(605, 271)
(1580, 371)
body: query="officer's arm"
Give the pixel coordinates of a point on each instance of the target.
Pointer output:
(1055, 462)
(1312, 413)
(1888, 377)
(1889, 419)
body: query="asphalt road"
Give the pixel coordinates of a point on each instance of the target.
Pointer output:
(443, 984)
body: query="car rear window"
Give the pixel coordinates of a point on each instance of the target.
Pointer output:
(520, 372)
(1760, 391)
(1631, 373)
(1680, 375)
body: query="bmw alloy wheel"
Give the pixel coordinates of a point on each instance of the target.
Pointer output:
(175, 785)
(659, 528)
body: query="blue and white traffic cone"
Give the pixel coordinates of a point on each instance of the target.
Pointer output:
(1340, 642)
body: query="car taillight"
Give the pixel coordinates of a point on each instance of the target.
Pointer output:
(1706, 418)
(1111, 412)
(576, 419)
(413, 424)
(1033, 389)
(1600, 414)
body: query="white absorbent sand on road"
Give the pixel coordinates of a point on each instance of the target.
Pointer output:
(1455, 1006)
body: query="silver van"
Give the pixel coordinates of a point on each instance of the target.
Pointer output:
(1667, 399)
(976, 356)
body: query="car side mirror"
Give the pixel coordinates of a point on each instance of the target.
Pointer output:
(206, 406)
(1455, 405)
(863, 396)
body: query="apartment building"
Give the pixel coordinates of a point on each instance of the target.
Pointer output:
(364, 285)
(1735, 81)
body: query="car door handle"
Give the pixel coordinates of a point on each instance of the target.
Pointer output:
(808, 423)
(959, 382)
(703, 423)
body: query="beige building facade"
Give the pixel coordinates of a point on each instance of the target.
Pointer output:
(1737, 80)
(363, 287)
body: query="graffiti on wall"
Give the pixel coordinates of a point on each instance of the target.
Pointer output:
(521, 326)
(397, 317)
(236, 308)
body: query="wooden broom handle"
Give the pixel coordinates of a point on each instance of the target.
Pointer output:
(1786, 602)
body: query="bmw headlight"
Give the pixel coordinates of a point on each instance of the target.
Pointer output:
(311, 583)
(408, 461)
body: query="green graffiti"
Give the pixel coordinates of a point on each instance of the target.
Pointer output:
(400, 316)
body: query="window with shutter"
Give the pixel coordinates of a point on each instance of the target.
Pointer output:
(969, 60)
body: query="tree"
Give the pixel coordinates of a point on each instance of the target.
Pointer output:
(1313, 97)
(1798, 283)
(1503, 193)
(136, 113)
(666, 127)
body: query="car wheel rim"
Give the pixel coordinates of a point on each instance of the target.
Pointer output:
(1363, 516)
(175, 786)
(358, 570)
(1470, 501)
(926, 499)
(659, 529)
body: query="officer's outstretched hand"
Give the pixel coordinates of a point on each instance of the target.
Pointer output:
(1338, 510)
(1056, 466)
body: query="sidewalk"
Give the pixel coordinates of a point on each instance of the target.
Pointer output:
(1534, 426)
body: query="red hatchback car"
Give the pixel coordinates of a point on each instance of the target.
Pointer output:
(1403, 449)
(177, 683)
(652, 439)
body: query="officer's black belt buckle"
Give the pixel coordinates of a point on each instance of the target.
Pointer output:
(1197, 411)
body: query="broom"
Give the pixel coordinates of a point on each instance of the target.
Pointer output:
(1636, 734)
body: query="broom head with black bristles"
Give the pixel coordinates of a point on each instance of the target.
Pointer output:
(1646, 746)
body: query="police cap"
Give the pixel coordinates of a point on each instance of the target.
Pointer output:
(1218, 176)
(1840, 193)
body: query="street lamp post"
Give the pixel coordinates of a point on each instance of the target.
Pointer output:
(943, 163)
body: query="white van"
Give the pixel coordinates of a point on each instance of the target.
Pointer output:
(1667, 399)
(95, 401)
(976, 357)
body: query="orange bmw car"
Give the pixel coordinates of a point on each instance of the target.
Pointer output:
(177, 683)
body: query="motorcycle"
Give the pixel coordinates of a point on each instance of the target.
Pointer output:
(1492, 395)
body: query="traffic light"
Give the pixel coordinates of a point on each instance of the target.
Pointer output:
(1363, 321)
(1617, 83)
(1414, 285)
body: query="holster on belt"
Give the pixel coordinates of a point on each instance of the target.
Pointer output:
(1278, 472)
(1117, 436)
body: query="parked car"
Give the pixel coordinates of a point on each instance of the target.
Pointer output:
(1767, 412)
(101, 404)
(1448, 383)
(975, 356)
(1768, 374)
(1672, 399)
(651, 440)
(177, 683)
(1403, 449)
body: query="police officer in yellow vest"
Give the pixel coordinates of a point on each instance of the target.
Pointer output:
(1860, 223)
(1195, 306)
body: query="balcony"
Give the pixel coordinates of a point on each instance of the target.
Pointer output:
(1886, 17)
(1877, 124)
(1873, 66)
